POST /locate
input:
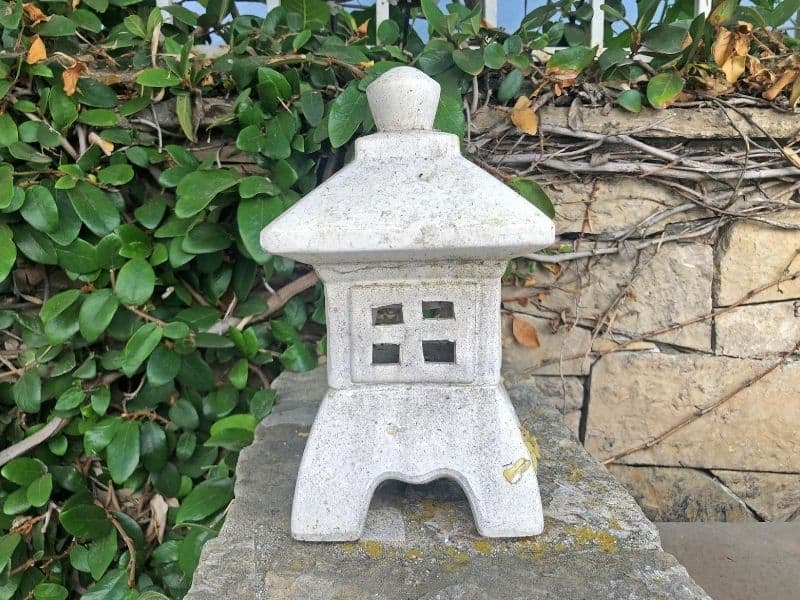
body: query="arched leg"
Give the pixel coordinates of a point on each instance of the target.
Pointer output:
(504, 509)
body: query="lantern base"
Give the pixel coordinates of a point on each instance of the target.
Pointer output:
(416, 433)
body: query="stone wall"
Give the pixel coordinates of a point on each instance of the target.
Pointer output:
(671, 355)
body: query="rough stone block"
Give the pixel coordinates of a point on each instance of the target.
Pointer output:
(758, 330)
(596, 542)
(565, 394)
(772, 496)
(678, 494)
(553, 346)
(634, 397)
(672, 285)
(750, 255)
(607, 205)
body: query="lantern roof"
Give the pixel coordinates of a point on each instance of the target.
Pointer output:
(408, 195)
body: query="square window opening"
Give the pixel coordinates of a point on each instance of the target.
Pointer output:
(438, 309)
(391, 314)
(385, 354)
(439, 351)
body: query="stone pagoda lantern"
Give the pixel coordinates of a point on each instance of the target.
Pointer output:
(411, 240)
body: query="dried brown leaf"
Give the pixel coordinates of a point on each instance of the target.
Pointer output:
(794, 95)
(733, 67)
(158, 518)
(71, 75)
(106, 147)
(37, 52)
(34, 14)
(575, 115)
(525, 333)
(524, 117)
(776, 88)
(721, 49)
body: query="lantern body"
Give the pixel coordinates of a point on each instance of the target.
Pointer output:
(411, 241)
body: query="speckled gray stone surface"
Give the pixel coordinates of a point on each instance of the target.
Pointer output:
(420, 541)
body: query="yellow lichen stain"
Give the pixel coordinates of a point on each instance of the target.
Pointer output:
(482, 546)
(428, 509)
(456, 559)
(531, 549)
(585, 536)
(347, 547)
(372, 549)
(296, 565)
(514, 472)
(576, 475)
(413, 554)
(614, 524)
(560, 547)
(532, 445)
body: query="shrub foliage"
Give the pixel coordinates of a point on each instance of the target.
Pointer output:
(140, 320)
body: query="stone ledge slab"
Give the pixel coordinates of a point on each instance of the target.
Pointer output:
(637, 396)
(420, 541)
(701, 123)
(758, 330)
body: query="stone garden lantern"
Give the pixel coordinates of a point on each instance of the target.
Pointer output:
(411, 240)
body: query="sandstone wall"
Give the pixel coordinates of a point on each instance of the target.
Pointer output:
(667, 330)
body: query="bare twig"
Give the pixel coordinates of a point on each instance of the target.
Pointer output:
(33, 440)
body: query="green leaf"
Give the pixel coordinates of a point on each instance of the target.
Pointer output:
(313, 13)
(6, 185)
(98, 117)
(23, 470)
(246, 422)
(494, 55)
(157, 78)
(630, 100)
(94, 207)
(533, 193)
(163, 366)
(39, 490)
(469, 60)
(56, 26)
(510, 87)
(122, 454)
(85, 521)
(205, 238)
(313, 106)
(8, 543)
(96, 313)
(205, 499)
(153, 443)
(667, 38)
(252, 215)
(40, 209)
(140, 346)
(57, 304)
(184, 415)
(50, 591)
(576, 58)
(8, 130)
(388, 32)
(250, 187)
(435, 17)
(101, 554)
(79, 257)
(100, 400)
(16, 502)
(116, 174)
(69, 399)
(298, 357)
(197, 189)
(238, 374)
(347, 114)
(183, 109)
(27, 392)
(663, 89)
(135, 282)
(8, 252)
(113, 586)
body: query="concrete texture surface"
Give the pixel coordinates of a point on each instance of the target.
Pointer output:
(738, 561)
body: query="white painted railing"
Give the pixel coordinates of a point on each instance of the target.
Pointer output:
(490, 14)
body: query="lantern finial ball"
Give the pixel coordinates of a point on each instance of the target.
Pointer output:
(403, 99)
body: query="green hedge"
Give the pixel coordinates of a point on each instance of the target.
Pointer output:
(138, 322)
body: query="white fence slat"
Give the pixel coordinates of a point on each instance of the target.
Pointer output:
(273, 4)
(490, 12)
(381, 11)
(597, 26)
(702, 6)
